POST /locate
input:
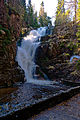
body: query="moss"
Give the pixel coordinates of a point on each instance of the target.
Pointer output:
(46, 59)
(72, 46)
(62, 44)
(51, 67)
(78, 65)
(11, 10)
(6, 39)
(41, 74)
(67, 54)
(8, 17)
(61, 37)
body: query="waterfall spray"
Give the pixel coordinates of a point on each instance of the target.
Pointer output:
(26, 52)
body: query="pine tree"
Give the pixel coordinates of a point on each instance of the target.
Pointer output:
(60, 7)
(35, 19)
(75, 6)
(31, 16)
(41, 13)
(60, 12)
(62, 16)
(72, 5)
(78, 11)
(44, 20)
(78, 19)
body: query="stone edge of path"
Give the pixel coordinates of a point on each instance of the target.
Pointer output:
(36, 108)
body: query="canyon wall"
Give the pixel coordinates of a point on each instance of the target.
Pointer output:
(11, 23)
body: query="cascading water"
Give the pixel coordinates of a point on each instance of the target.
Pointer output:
(26, 52)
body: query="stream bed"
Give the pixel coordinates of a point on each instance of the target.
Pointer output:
(25, 95)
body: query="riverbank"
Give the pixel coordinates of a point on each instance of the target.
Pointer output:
(36, 97)
(68, 110)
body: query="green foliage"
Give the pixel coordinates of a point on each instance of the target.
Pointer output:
(67, 54)
(78, 11)
(72, 46)
(62, 44)
(78, 65)
(78, 32)
(78, 19)
(60, 7)
(35, 25)
(6, 31)
(30, 17)
(6, 38)
(44, 20)
(61, 15)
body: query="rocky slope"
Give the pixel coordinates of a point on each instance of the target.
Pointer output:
(53, 55)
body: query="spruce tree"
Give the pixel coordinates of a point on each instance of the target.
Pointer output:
(60, 12)
(78, 20)
(44, 20)
(31, 17)
(78, 11)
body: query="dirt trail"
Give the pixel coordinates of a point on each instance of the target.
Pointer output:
(68, 110)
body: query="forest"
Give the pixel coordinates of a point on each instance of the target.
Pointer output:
(39, 60)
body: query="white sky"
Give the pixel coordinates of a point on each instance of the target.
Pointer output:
(50, 6)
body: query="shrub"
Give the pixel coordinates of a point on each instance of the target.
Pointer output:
(78, 65)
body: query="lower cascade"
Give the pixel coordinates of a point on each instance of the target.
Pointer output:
(26, 53)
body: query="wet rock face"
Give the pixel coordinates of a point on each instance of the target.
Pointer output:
(47, 50)
(45, 38)
(10, 28)
(3, 19)
(53, 54)
(41, 52)
(45, 57)
(15, 23)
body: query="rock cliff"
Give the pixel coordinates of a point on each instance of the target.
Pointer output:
(11, 22)
(53, 55)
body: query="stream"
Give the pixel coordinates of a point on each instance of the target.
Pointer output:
(26, 55)
(33, 90)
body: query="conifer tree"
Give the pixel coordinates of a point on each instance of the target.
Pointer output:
(62, 16)
(78, 11)
(78, 19)
(41, 13)
(44, 20)
(31, 17)
(72, 6)
(60, 12)
(75, 6)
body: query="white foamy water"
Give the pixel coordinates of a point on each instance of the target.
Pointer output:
(26, 52)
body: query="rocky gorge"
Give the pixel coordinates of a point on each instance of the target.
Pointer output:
(52, 56)
(39, 65)
(11, 22)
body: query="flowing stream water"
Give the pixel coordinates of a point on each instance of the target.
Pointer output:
(26, 54)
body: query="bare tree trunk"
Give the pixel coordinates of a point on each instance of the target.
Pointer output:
(75, 4)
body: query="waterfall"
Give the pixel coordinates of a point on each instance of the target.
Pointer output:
(26, 52)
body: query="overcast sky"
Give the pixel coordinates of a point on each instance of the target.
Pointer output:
(50, 6)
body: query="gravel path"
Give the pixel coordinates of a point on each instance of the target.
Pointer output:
(68, 110)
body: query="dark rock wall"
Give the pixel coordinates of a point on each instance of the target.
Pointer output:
(3, 20)
(53, 55)
(11, 22)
